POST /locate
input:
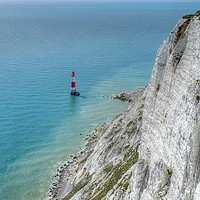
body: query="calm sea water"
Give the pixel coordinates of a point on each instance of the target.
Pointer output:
(111, 47)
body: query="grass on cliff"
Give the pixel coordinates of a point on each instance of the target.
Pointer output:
(197, 13)
(183, 27)
(124, 183)
(181, 30)
(78, 187)
(190, 16)
(114, 173)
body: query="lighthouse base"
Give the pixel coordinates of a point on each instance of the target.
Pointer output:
(75, 93)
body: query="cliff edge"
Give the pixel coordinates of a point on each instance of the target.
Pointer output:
(152, 150)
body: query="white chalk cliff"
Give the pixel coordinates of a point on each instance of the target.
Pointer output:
(151, 151)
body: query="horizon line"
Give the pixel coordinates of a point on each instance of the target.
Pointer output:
(100, 1)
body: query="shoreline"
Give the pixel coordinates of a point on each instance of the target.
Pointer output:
(141, 152)
(62, 183)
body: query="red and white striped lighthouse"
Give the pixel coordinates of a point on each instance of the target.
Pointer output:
(73, 85)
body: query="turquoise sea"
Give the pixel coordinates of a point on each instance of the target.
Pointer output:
(111, 47)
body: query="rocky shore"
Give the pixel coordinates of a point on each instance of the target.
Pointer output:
(63, 182)
(129, 97)
(152, 150)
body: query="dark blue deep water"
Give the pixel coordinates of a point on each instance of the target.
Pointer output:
(111, 47)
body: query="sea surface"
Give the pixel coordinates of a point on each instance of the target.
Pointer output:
(110, 46)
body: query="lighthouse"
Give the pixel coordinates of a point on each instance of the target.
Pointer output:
(73, 85)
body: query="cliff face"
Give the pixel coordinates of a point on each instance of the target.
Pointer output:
(170, 130)
(152, 150)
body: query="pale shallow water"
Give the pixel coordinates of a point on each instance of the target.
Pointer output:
(111, 47)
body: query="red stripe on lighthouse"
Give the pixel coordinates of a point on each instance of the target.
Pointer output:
(73, 85)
